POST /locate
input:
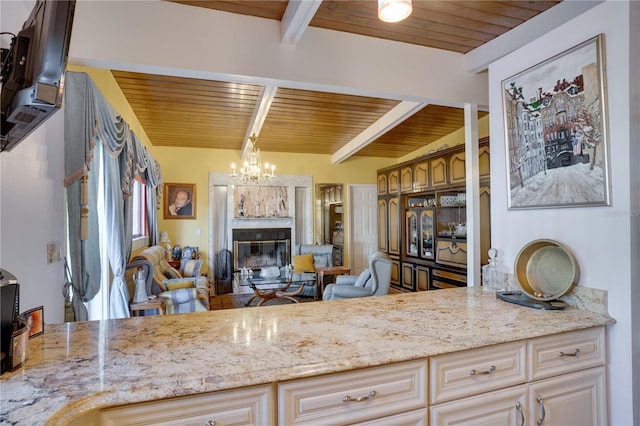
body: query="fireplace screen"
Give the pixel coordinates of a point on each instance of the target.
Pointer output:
(259, 248)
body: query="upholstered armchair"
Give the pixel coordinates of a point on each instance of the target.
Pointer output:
(322, 257)
(181, 293)
(373, 281)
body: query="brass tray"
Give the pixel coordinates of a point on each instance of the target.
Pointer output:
(546, 270)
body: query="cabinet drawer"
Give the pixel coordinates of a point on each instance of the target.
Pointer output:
(563, 353)
(475, 371)
(383, 391)
(248, 406)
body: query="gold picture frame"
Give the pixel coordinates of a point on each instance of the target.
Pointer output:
(179, 201)
(556, 131)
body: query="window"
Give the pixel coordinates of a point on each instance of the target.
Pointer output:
(140, 228)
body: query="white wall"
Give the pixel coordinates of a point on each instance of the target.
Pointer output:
(32, 195)
(600, 237)
(32, 215)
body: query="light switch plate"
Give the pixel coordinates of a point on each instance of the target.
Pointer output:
(53, 252)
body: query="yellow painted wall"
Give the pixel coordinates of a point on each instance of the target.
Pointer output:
(192, 165)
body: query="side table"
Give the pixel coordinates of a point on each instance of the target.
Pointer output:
(174, 263)
(157, 303)
(329, 270)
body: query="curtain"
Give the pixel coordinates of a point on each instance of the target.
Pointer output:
(89, 120)
(81, 190)
(118, 214)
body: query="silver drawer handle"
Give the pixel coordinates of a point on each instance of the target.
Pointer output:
(210, 423)
(541, 410)
(575, 353)
(520, 419)
(360, 398)
(478, 373)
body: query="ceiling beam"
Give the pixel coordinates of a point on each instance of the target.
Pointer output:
(391, 119)
(263, 104)
(296, 20)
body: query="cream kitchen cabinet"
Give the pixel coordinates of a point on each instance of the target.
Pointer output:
(247, 406)
(565, 383)
(390, 394)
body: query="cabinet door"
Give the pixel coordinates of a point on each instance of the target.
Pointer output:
(411, 230)
(250, 406)
(438, 167)
(394, 226)
(411, 418)
(383, 222)
(406, 179)
(485, 224)
(421, 175)
(382, 183)
(426, 234)
(498, 408)
(395, 272)
(483, 162)
(422, 278)
(577, 399)
(457, 172)
(407, 276)
(394, 182)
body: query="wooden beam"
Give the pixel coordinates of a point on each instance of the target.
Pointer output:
(263, 104)
(296, 20)
(391, 119)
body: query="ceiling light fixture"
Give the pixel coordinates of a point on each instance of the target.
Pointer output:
(394, 10)
(252, 171)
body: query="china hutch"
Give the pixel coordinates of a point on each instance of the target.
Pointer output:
(422, 218)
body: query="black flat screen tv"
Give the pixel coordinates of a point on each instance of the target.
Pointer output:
(33, 73)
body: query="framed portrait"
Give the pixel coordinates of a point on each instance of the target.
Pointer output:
(179, 201)
(19, 347)
(556, 133)
(35, 321)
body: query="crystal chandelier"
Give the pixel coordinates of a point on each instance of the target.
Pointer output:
(394, 10)
(252, 171)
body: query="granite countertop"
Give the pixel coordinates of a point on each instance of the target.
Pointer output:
(77, 367)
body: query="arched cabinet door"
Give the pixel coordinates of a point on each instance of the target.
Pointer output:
(438, 168)
(394, 225)
(383, 236)
(457, 172)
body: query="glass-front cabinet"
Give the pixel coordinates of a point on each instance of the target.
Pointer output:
(419, 229)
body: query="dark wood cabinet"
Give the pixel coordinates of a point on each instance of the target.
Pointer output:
(422, 219)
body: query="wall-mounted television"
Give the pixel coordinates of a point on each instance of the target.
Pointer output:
(32, 74)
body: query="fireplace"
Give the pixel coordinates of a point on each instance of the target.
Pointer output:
(259, 248)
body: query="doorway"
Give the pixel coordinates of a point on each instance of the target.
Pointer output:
(363, 234)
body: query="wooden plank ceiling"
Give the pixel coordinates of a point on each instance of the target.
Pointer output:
(219, 113)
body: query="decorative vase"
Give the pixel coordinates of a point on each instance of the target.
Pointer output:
(140, 277)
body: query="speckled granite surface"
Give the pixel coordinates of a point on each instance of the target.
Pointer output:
(78, 367)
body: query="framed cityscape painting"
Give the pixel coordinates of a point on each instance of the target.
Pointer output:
(555, 131)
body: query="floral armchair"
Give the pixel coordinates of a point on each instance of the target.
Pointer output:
(181, 294)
